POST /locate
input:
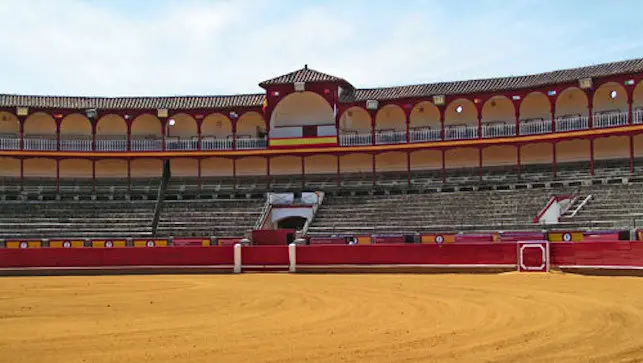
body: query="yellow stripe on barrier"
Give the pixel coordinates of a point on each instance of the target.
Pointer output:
(24, 244)
(437, 238)
(108, 243)
(364, 240)
(150, 243)
(66, 244)
(207, 243)
(566, 236)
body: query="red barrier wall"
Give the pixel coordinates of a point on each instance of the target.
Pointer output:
(452, 254)
(265, 256)
(597, 254)
(108, 257)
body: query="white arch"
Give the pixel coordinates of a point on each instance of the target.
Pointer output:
(302, 109)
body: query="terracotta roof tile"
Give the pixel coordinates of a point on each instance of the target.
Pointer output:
(494, 84)
(179, 102)
(302, 75)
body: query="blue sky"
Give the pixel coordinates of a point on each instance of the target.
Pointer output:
(174, 47)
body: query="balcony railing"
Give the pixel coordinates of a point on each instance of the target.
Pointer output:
(499, 130)
(572, 123)
(425, 134)
(461, 132)
(355, 139)
(390, 137)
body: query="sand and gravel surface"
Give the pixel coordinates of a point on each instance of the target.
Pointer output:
(322, 318)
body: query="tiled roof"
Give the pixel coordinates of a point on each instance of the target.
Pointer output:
(179, 102)
(495, 84)
(302, 75)
(349, 95)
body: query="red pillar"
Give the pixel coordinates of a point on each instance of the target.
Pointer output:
(234, 135)
(129, 175)
(479, 113)
(590, 108)
(553, 148)
(129, 136)
(373, 138)
(591, 157)
(517, 110)
(164, 130)
(22, 174)
(442, 135)
(444, 169)
(632, 154)
(374, 169)
(58, 135)
(94, 136)
(553, 118)
(93, 175)
(22, 119)
(339, 182)
(630, 114)
(408, 168)
(198, 133)
(198, 171)
(480, 164)
(57, 175)
(407, 114)
(518, 160)
(303, 172)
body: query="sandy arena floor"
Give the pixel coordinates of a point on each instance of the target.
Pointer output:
(322, 318)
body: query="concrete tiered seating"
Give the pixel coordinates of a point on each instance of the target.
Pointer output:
(614, 206)
(221, 218)
(104, 189)
(82, 219)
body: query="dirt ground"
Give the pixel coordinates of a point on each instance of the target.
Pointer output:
(322, 318)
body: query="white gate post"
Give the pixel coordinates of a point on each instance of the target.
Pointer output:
(292, 257)
(237, 258)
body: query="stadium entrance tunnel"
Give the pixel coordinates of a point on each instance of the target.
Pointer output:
(294, 222)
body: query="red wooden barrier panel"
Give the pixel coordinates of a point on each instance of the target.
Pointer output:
(276, 256)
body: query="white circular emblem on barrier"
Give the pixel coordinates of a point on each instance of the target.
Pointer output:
(439, 239)
(66, 244)
(24, 245)
(567, 237)
(109, 244)
(150, 243)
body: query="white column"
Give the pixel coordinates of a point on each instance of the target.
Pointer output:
(292, 257)
(237, 258)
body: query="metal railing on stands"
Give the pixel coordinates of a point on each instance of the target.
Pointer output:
(40, 143)
(637, 116)
(216, 143)
(461, 132)
(425, 134)
(9, 143)
(572, 123)
(146, 144)
(499, 130)
(76, 144)
(355, 139)
(111, 145)
(610, 119)
(181, 144)
(252, 143)
(390, 137)
(535, 127)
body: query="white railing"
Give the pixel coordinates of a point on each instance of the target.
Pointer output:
(9, 144)
(146, 144)
(40, 144)
(76, 144)
(355, 139)
(425, 134)
(111, 145)
(499, 130)
(216, 144)
(390, 137)
(181, 144)
(461, 132)
(254, 143)
(534, 127)
(637, 116)
(610, 119)
(572, 123)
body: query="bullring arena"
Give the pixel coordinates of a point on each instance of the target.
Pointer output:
(493, 220)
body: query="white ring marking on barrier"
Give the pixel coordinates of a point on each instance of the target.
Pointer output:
(567, 237)
(109, 244)
(66, 244)
(439, 239)
(24, 245)
(150, 243)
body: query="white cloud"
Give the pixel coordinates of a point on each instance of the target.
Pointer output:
(198, 47)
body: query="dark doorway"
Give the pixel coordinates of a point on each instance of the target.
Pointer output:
(296, 223)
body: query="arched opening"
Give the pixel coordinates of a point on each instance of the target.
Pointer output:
(251, 125)
(424, 122)
(75, 133)
(610, 105)
(40, 132)
(461, 120)
(498, 117)
(9, 125)
(75, 169)
(571, 110)
(355, 121)
(535, 114)
(184, 127)
(390, 125)
(9, 167)
(111, 133)
(216, 132)
(111, 169)
(293, 222)
(146, 126)
(637, 103)
(302, 109)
